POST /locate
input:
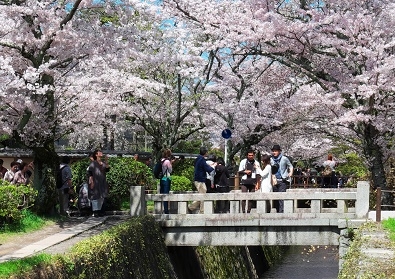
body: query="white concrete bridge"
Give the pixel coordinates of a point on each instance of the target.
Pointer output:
(315, 224)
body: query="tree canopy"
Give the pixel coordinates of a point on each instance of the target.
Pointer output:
(308, 75)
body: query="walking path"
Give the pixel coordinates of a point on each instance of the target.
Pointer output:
(51, 240)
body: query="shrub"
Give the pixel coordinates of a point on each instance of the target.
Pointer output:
(126, 172)
(13, 199)
(180, 184)
(79, 169)
(185, 168)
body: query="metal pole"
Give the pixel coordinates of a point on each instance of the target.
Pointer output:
(378, 205)
(226, 152)
(145, 141)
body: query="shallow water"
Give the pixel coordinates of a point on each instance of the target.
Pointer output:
(307, 262)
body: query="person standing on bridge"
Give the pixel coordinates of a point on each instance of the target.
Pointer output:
(266, 183)
(329, 179)
(201, 170)
(165, 182)
(221, 184)
(249, 168)
(283, 172)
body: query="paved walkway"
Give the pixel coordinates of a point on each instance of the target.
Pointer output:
(54, 239)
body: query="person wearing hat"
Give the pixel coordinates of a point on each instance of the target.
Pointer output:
(282, 168)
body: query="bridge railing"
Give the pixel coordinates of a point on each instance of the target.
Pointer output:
(311, 203)
(313, 181)
(380, 205)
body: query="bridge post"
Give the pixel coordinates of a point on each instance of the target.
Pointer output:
(362, 202)
(288, 206)
(237, 182)
(138, 205)
(378, 205)
(316, 206)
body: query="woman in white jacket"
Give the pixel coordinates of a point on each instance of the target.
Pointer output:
(266, 175)
(265, 185)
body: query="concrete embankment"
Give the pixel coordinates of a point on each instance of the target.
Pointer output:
(371, 254)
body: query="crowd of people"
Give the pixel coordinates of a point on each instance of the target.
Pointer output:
(324, 175)
(19, 173)
(92, 193)
(274, 173)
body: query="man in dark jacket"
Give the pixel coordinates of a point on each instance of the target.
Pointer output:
(222, 186)
(201, 170)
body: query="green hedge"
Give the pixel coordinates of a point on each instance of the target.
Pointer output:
(180, 184)
(13, 199)
(185, 168)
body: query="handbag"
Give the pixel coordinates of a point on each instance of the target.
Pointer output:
(274, 180)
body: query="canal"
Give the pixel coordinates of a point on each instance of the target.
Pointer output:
(307, 262)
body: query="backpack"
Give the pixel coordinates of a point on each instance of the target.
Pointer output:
(83, 199)
(158, 173)
(59, 177)
(327, 171)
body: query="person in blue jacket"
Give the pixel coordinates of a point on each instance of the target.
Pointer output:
(201, 170)
(283, 169)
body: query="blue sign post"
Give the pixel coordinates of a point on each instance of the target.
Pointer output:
(226, 134)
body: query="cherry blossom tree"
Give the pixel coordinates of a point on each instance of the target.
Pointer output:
(344, 48)
(305, 74)
(78, 69)
(168, 101)
(58, 68)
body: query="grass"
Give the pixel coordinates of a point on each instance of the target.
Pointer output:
(30, 222)
(389, 224)
(150, 206)
(22, 265)
(125, 205)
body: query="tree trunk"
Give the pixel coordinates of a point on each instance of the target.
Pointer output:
(374, 154)
(46, 164)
